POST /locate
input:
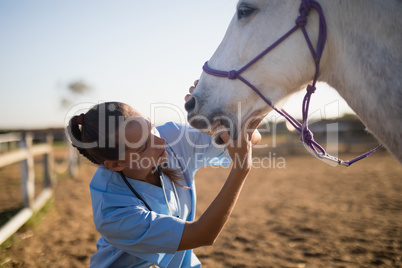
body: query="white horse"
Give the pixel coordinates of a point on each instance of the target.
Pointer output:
(362, 60)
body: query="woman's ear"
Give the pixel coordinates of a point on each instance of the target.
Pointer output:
(114, 165)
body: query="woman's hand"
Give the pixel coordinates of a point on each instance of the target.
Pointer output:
(191, 90)
(240, 150)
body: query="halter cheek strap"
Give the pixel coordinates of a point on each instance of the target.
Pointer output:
(306, 136)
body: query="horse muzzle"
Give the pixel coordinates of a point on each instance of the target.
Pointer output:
(209, 122)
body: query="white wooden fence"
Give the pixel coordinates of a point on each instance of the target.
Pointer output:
(25, 154)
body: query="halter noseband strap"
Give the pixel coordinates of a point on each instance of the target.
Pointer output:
(305, 133)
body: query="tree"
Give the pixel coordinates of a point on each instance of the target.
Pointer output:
(75, 89)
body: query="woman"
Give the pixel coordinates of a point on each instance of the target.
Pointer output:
(143, 193)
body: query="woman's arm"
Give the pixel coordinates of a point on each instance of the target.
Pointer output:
(206, 229)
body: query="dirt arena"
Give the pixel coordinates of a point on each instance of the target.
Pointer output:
(295, 212)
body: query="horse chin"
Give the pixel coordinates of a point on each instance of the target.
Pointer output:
(232, 130)
(218, 140)
(210, 126)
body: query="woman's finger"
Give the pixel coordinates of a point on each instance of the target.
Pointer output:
(255, 137)
(222, 131)
(252, 122)
(191, 89)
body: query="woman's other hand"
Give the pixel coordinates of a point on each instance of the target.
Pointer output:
(191, 90)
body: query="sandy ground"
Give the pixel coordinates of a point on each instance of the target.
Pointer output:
(299, 212)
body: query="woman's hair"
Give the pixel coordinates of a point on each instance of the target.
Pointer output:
(95, 134)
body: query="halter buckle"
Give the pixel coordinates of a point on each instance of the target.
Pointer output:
(333, 159)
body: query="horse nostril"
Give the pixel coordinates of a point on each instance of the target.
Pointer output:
(190, 104)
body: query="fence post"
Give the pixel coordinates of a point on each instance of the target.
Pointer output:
(49, 176)
(27, 172)
(73, 161)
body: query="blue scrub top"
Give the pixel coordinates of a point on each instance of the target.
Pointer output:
(133, 236)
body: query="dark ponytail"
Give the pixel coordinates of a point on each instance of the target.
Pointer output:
(95, 133)
(74, 130)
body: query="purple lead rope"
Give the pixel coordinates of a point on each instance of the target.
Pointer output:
(306, 136)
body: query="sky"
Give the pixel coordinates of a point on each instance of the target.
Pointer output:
(144, 53)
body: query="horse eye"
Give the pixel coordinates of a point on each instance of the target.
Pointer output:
(244, 11)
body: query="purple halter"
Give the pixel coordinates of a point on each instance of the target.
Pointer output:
(306, 135)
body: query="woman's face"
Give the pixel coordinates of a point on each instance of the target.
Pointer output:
(144, 147)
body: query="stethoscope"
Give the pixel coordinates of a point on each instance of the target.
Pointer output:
(160, 174)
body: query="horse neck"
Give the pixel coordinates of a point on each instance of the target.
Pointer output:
(359, 60)
(362, 61)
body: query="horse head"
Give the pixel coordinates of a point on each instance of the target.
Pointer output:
(285, 69)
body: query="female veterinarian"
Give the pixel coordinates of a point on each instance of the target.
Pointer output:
(143, 194)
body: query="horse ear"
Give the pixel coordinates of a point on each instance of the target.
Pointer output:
(114, 165)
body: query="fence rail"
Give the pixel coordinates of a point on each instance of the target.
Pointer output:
(25, 156)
